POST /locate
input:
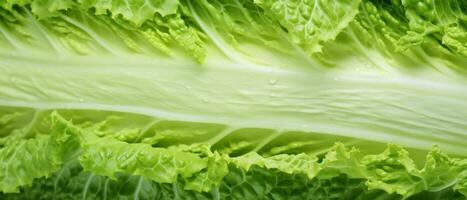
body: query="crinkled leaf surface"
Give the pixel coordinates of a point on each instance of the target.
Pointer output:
(233, 99)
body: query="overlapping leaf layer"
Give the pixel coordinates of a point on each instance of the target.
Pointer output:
(94, 160)
(233, 99)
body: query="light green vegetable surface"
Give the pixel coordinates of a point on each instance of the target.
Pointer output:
(233, 99)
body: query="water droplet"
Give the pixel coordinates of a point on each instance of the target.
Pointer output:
(272, 81)
(13, 79)
(187, 87)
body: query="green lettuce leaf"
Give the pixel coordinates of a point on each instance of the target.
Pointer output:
(102, 158)
(233, 99)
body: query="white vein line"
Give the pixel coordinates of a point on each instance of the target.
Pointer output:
(55, 44)
(375, 58)
(146, 128)
(59, 174)
(175, 189)
(106, 185)
(214, 36)
(93, 34)
(224, 133)
(86, 187)
(216, 194)
(10, 38)
(266, 141)
(138, 188)
(28, 128)
(13, 156)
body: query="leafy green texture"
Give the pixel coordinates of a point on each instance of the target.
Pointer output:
(233, 99)
(91, 165)
(310, 23)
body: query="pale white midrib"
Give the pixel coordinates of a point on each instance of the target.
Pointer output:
(270, 122)
(98, 62)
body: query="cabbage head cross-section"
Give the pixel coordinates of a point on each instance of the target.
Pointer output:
(233, 99)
